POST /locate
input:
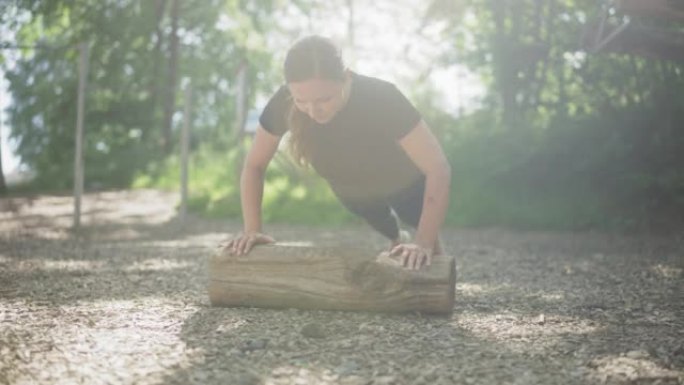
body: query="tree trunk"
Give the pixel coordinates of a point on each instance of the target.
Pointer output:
(241, 111)
(504, 73)
(351, 28)
(547, 38)
(154, 81)
(170, 105)
(648, 42)
(286, 276)
(3, 184)
(664, 9)
(535, 75)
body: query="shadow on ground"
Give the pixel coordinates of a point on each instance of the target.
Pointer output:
(532, 308)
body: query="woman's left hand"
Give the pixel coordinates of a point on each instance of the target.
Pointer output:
(412, 256)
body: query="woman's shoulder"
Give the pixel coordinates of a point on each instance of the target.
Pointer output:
(273, 116)
(379, 90)
(371, 82)
(282, 93)
(374, 89)
(386, 102)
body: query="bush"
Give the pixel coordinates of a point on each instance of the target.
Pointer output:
(290, 195)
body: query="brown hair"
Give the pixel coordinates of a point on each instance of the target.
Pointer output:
(309, 58)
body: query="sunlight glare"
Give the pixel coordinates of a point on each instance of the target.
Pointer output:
(71, 265)
(296, 375)
(630, 367)
(669, 272)
(157, 264)
(296, 244)
(378, 48)
(508, 327)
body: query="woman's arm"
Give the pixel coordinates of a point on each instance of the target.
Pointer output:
(426, 152)
(252, 189)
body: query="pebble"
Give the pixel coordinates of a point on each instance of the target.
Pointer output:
(385, 380)
(256, 344)
(247, 379)
(637, 354)
(347, 368)
(313, 330)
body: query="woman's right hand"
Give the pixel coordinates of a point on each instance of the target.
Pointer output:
(242, 243)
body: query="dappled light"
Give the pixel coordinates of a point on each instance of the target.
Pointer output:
(529, 151)
(516, 329)
(299, 375)
(230, 325)
(630, 367)
(517, 326)
(667, 272)
(113, 341)
(51, 217)
(297, 244)
(469, 289)
(156, 264)
(65, 265)
(137, 312)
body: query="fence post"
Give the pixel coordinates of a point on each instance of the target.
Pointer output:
(185, 148)
(80, 112)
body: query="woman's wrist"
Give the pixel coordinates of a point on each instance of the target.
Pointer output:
(425, 245)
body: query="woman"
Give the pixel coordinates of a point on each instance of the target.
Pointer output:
(365, 138)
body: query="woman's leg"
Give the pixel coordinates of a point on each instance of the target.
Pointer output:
(408, 203)
(376, 213)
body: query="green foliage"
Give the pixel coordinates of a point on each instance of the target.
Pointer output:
(564, 139)
(568, 139)
(291, 195)
(128, 81)
(585, 172)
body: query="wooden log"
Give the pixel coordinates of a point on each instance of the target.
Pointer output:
(306, 277)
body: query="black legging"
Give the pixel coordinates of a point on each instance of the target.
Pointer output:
(406, 203)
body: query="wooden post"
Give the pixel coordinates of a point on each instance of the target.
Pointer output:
(286, 276)
(185, 145)
(240, 112)
(80, 112)
(241, 99)
(3, 183)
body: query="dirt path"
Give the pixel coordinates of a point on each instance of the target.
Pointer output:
(125, 303)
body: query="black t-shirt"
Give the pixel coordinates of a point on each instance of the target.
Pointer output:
(358, 151)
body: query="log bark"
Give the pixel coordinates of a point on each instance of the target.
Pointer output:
(305, 277)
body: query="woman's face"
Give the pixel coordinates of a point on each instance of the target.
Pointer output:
(321, 99)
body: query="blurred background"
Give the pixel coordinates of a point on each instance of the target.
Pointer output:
(555, 114)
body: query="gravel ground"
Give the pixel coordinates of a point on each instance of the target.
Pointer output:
(124, 302)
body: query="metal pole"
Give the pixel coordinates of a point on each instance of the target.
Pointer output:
(78, 157)
(185, 139)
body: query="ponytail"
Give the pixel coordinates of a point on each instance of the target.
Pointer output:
(298, 145)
